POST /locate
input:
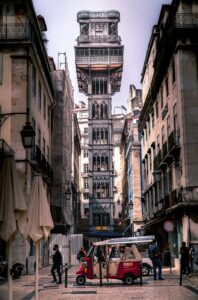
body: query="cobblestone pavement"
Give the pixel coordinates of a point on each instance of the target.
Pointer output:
(169, 289)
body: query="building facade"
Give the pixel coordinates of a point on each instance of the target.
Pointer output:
(168, 125)
(62, 209)
(132, 208)
(26, 89)
(99, 60)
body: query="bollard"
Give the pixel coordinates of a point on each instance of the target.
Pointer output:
(100, 266)
(66, 269)
(180, 280)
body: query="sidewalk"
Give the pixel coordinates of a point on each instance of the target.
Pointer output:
(23, 288)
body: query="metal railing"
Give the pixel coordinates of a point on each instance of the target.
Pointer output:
(40, 161)
(98, 39)
(15, 31)
(107, 59)
(186, 20)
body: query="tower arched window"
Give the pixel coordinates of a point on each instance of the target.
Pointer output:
(93, 111)
(106, 111)
(101, 111)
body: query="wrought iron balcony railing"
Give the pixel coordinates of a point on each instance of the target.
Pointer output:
(39, 161)
(106, 59)
(15, 31)
(99, 39)
(186, 20)
(173, 141)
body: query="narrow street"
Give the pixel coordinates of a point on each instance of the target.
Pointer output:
(23, 288)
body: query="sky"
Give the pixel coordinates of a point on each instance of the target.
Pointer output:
(137, 18)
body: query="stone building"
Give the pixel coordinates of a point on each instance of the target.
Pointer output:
(131, 157)
(26, 91)
(168, 125)
(99, 60)
(62, 137)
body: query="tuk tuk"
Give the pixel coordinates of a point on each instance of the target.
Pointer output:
(116, 258)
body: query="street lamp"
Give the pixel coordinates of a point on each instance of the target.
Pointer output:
(68, 194)
(27, 133)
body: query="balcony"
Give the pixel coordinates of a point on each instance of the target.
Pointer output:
(186, 20)
(15, 31)
(173, 143)
(40, 163)
(99, 60)
(99, 39)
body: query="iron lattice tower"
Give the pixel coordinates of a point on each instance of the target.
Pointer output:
(99, 63)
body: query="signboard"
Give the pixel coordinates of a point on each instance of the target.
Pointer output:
(169, 226)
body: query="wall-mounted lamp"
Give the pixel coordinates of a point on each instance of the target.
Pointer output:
(27, 133)
(118, 201)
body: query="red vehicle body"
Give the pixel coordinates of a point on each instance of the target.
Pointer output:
(126, 266)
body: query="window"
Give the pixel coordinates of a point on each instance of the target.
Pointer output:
(86, 153)
(161, 97)
(163, 137)
(158, 144)
(101, 219)
(173, 72)
(85, 168)
(39, 96)
(86, 130)
(43, 146)
(44, 107)
(156, 110)
(86, 183)
(47, 153)
(166, 86)
(148, 126)
(175, 117)
(168, 126)
(39, 138)
(33, 81)
(85, 196)
(152, 119)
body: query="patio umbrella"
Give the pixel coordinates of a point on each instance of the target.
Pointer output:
(39, 219)
(13, 209)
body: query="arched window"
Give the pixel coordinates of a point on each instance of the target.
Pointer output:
(106, 111)
(93, 111)
(101, 111)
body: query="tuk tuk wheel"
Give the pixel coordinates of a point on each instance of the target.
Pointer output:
(145, 269)
(128, 279)
(80, 280)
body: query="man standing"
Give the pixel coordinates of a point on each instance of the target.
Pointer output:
(57, 262)
(185, 259)
(155, 257)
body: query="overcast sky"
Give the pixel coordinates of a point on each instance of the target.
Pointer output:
(137, 18)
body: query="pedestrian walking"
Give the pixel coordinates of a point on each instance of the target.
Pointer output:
(155, 256)
(57, 262)
(81, 254)
(184, 251)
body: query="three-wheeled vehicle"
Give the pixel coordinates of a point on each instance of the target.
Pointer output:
(111, 259)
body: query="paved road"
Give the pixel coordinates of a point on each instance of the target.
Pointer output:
(169, 289)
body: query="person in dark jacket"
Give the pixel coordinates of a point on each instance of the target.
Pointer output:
(155, 256)
(57, 262)
(184, 251)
